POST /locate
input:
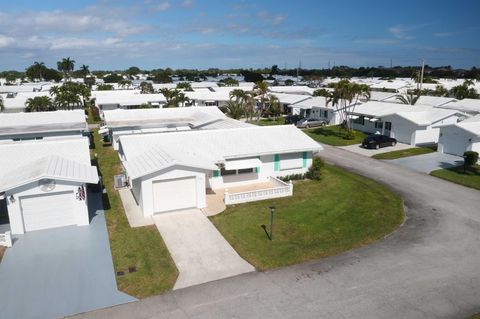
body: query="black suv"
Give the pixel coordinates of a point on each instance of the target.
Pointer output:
(376, 141)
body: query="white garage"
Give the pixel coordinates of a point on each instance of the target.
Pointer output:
(47, 211)
(174, 194)
(460, 137)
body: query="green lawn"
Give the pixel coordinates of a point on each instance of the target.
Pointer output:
(271, 121)
(470, 178)
(2, 251)
(141, 247)
(333, 135)
(405, 153)
(338, 213)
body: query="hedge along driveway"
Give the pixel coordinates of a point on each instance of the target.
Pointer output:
(323, 218)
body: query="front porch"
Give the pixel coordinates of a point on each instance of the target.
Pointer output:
(217, 199)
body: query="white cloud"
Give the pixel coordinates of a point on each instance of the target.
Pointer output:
(5, 41)
(188, 3)
(400, 31)
(164, 6)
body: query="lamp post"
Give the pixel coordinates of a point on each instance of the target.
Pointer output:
(272, 211)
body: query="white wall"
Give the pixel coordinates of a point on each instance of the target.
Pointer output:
(454, 140)
(172, 173)
(266, 170)
(14, 209)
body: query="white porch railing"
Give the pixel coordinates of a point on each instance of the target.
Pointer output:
(6, 239)
(281, 189)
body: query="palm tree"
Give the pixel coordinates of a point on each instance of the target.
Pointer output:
(261, 89)
(146, 88)
(239, 95)
(185, 86)
(124, 83)
(85, 70)
(274, 107)
(181, 98)
(39, 67)
(234, 109)
(321, 92)
(66, 65)
(409, 99)
(39, 104)
(440, 90)
(249, 105)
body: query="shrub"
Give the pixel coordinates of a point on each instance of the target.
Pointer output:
(315, 171)
(349, 135)
(292, 177)
(470, 158)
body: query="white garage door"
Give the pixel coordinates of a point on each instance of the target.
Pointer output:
(455, 144)
(48, 211)
(174, 194)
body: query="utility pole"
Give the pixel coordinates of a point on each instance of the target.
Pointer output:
(391, 63)
(421, 74)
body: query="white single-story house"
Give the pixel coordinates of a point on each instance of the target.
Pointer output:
(42, 125)
(125, 99)
(15, 102)
(206, 97)
(168, 172)
(146, 121)
(43, 183)
(294, 89)
(409, 124)
(286, 99)
(457, 138)
(317, 107)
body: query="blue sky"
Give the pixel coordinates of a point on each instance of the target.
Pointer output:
(108, 34)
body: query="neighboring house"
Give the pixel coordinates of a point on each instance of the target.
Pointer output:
(43, 183)
(125, 99)
(42, 125)
(382, 97)
(409, 124)
(174, 171)
(457, 138)
(145, 121)
(207, 97)
(286, 100)
(317, 107)
(15, 102)
(436, 101)
(469, 106)
(295, 89)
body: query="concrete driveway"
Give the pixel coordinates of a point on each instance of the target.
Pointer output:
(357, 148)
(198, 249)
(429, 162)
(428, 268)
(58, 272)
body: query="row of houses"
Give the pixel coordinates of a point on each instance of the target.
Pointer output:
(171, 158)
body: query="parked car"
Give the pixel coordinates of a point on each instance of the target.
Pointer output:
(376, 141)
(292, 119)
(311, 122)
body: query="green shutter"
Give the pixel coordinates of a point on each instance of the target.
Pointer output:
(257, 169)
(216, 173)
(276, 166)
(305, 159)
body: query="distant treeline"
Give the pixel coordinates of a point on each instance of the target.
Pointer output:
(253, 75)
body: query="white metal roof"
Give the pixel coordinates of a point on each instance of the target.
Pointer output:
(470, 125)
(195, 117)
(434, 100)
(285, 98)
(465, 105)
(296, 89)
(127, 97)
(18, 102)
(426, 117)
(381, 96)
(311, 102)
(66, 159)
(41, 122)
(379, 109)
(206, 148)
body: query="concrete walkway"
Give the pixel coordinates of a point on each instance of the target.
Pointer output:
(198, 249)
(357, 148)
(58, 272)
(428, 268)
(132, 210)
(429, 162)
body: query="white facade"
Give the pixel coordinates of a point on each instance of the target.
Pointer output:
(30, 208)
(458, 138)
(182, 187)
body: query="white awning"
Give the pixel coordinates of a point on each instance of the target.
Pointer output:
(242, 163)
(354, 117)
(303, 107)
